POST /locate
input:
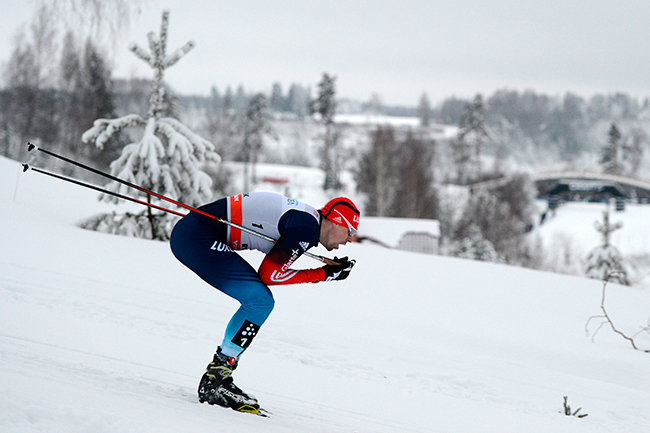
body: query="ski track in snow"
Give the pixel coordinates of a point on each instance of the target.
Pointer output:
(64, 365)
(124, 378)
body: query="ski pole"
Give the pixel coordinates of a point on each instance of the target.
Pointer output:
(105, 191)
(177, 203)
(96, 188)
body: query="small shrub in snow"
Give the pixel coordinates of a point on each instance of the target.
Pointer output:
(569, 412)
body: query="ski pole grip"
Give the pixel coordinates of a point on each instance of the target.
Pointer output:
(334, 262)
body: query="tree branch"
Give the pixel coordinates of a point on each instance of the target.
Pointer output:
(608, 320)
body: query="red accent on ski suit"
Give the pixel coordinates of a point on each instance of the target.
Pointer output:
(276, 266)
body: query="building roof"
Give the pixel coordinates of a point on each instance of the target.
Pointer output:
(586, 187)
(390, 230)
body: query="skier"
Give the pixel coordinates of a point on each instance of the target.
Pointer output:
(207, 247)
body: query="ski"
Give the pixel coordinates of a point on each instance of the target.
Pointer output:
(255, 411)
(244, 408)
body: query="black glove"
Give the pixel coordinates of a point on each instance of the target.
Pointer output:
(339, 271)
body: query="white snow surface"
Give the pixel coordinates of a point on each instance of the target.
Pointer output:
(101, 333)
(577, 220)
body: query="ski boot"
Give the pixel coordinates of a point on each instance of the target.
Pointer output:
(217, 386)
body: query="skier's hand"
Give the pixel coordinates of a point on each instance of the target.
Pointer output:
(340, 271)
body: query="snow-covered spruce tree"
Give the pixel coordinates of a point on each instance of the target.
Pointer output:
(475, 247)
(166, 158)
(502, 213)
(610, 158)
(325, 106)
(424, 111)
(257, 124)
(605, 262)
(467, 146)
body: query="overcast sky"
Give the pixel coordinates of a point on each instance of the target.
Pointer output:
(397, 49)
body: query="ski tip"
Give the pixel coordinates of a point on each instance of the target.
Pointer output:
(25, 167)
(253, 410)
(30, 146)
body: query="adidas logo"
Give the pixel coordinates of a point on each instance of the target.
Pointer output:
(304, 245)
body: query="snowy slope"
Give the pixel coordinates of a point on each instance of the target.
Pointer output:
(101, 333)
(578, 221)
(570, 235)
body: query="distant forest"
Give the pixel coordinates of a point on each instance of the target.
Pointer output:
(527, 124)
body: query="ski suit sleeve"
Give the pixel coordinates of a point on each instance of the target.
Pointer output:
(298, 232)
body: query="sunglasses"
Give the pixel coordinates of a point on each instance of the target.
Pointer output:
(351, 230)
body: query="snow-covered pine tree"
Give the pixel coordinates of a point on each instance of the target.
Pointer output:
(325, 106)
(257, 124)
(165, 159)
(610, 158)
(277, 101)
(424, 111)
(605, 262)
(475, 247)
(467, 147)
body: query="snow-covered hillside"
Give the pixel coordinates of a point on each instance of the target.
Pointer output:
(101, 333)
(569, 234)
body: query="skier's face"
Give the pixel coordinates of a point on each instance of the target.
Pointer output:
(334, 235)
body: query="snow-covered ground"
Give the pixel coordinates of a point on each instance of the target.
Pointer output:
(578, 220)
(569, 234)
(100, 333)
